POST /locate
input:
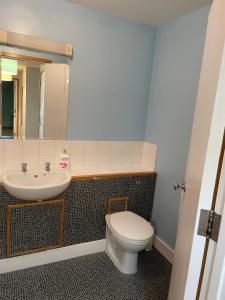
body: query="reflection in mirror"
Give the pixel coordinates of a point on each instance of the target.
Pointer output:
(33, 97)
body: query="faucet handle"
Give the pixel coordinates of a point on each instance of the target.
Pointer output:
(47, 166)
(24, 167)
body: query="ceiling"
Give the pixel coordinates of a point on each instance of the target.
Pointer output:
(149, 12)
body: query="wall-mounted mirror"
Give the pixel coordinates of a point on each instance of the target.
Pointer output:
(33, 94)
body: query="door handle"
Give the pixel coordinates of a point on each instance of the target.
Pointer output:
(178, 186)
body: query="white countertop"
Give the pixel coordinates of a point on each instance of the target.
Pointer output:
(109, 170)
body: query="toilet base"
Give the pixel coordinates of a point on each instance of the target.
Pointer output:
(125, 262)
(129, 264)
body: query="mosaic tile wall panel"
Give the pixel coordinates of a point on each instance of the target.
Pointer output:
(86, 206)
(29, 233)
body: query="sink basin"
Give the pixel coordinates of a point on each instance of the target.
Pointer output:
(35, 185)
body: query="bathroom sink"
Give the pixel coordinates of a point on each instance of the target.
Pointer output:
(35, 185)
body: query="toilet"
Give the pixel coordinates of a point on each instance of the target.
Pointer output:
(126, 235)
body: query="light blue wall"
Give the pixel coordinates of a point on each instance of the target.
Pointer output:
(173, 90)
(110, 77)
(110, 71)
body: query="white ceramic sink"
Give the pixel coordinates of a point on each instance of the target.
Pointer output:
(35, 185)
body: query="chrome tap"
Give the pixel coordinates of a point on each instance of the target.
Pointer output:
(24, 168)
(47, 166)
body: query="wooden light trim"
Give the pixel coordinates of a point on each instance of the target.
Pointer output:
(17, 56)
(35, 43)
(112, 200)
(38, 203)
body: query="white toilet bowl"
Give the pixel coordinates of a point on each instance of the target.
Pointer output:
(126, 235)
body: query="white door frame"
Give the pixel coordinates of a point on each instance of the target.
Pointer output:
(210, 245)
(216, 286)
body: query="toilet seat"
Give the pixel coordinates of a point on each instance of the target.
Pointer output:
(130, 226)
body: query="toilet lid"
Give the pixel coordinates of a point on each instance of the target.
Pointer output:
(131, 226)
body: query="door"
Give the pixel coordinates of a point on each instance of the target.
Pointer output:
(204, 152)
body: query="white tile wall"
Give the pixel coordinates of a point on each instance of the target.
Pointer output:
(149, 155)
(12, 147)
(91, 147)
(102, 160)
(30, 147)
(12, 157)
(104, 147)
(76, 161)
(83, 154)
(47, 147)
(76, 147)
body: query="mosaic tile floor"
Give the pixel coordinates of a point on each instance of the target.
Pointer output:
(91, 277)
